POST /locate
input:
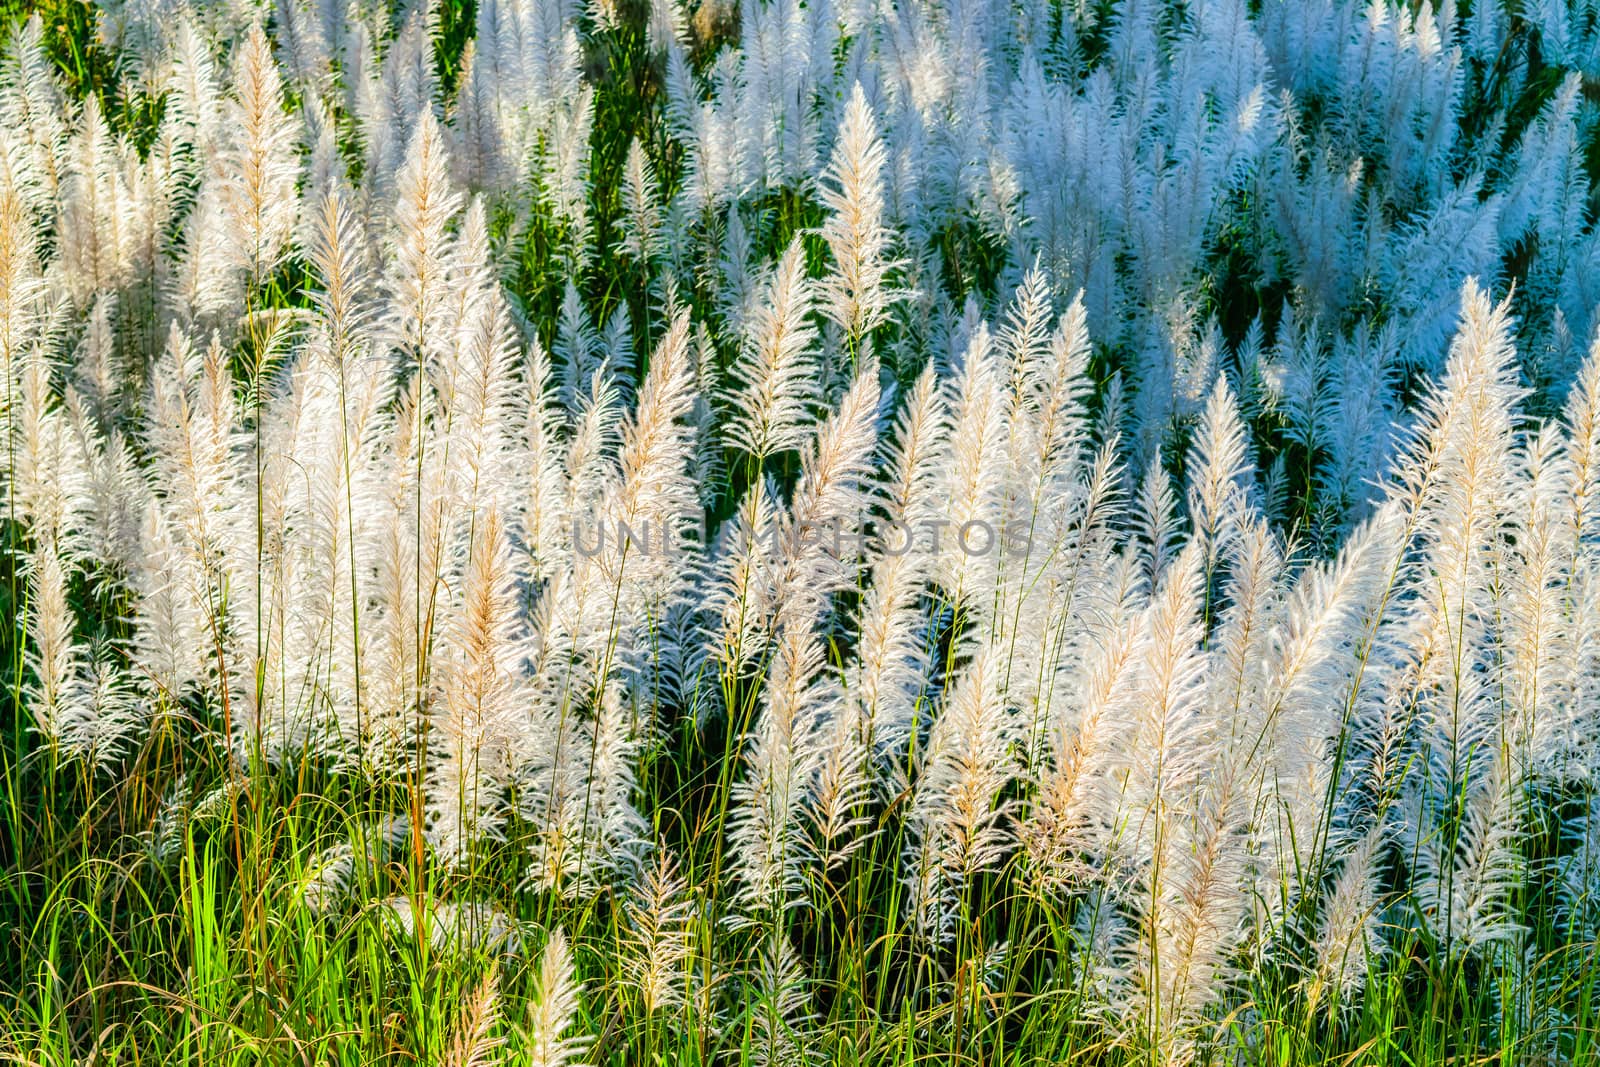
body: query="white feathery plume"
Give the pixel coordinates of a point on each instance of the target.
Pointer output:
(34, 112)
(842, 790)
(170, 638)
(92, 239)
(115, 497)
(818, 537)
(974, 481)
(1242, 640)
(642, 214)
(257, 174)
(654, 490)
(855, 294)
(780, 1021)
(1043, 544)
(553, 1013)
(614, 594)
(1464, 875)
(477, 141)
(58, 696)
(775, 388)
(195, 97)
(206, 287)
(600, 607)
(420, 290)
(1167, 751)
(1024, 340)
(682, 106)
(767, 839)
(1219, 482)
(590, 470)
(155, 195)
(544, 526)
(1582, 419)
(273, 614)
(473, 1043)
(21, 288)
(95, 373)
(1048, 444)
(1193, 921)
(491, 121)
(613, 833)
(49, 467)
(404, 93)
(476, 720)
(740, 273)
(299, 35)
(616, 337)
(566, 185)
(1537, 629)
(1073, 810)
(453, 929)
(417, 282)
(577, 345)
(1579, 497)
(659, 950)
(883, 679)
(1155, 519)
(1459, 479)
(190, 427)
(557, 783)
(337, 253)
(482, 389)
(552, 56)
(116, 714)
(409, 555)
(741, 597)
(1175, 855)
(326, 883)
(665, 24)
(332, 516)
(958, 823)
(1307, 672)
(347, 390)
(1348, 942)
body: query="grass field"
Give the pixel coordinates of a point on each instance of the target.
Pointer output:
(1001, 532)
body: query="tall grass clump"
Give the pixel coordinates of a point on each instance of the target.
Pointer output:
(788, 532)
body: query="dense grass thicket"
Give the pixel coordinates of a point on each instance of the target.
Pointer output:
(999, 532)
